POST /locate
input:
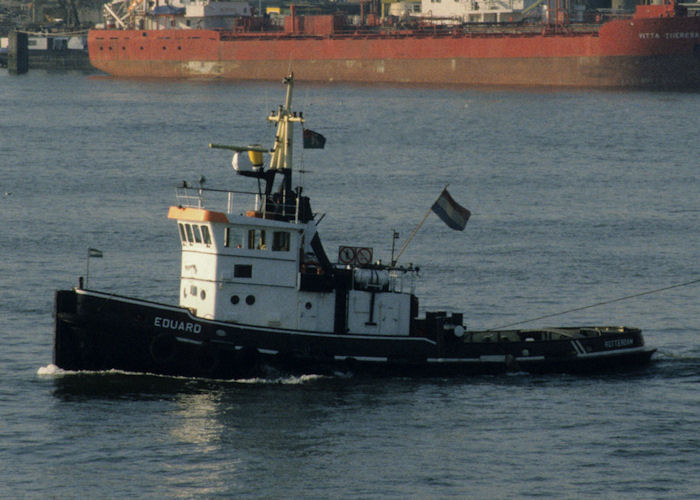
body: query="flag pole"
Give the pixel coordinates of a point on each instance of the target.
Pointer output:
(420, 224)
(87, 269)
(92, 252)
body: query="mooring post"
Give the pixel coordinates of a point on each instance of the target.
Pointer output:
(17, 53)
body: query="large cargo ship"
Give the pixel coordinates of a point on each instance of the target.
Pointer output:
(500, 42)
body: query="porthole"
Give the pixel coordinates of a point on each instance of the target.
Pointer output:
(250, 300)
(235, 299)
(163, 47)
(308, 305)
(202, 294)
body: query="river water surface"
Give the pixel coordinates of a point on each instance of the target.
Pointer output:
(578, 198)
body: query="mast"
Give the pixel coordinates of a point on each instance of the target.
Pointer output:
(282, 151)
(284, 201)
(285, 118)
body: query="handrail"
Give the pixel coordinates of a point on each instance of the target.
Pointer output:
(531, 7)
(590, 24)
(193, 196)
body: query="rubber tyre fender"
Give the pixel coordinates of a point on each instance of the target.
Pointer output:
(206, 360)
(163, 348)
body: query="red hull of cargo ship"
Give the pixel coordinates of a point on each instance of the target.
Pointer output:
(646, 50)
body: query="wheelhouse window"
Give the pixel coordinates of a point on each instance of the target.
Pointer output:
(190, 234)
(256, 239)
(280, 241)
(206, 235)
(233, 237)
(197, 234)
(193, 233)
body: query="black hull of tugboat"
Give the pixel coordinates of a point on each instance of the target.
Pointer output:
(96, 331)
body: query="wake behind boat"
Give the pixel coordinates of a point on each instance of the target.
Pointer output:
(258, 291)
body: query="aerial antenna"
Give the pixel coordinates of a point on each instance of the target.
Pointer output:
(394, 237)
(93, 253)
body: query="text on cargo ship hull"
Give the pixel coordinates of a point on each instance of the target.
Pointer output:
(671, 36)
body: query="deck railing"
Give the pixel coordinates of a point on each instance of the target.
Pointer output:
(224, 200)
(584, 23)
(236, 202)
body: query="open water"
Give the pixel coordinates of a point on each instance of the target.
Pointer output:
(578, 198)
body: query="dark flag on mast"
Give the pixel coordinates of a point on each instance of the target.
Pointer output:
(313, 140)
(452, 213)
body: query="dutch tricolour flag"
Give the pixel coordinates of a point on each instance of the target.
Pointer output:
(452, 213)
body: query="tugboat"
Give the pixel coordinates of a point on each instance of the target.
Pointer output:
(258, 293)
